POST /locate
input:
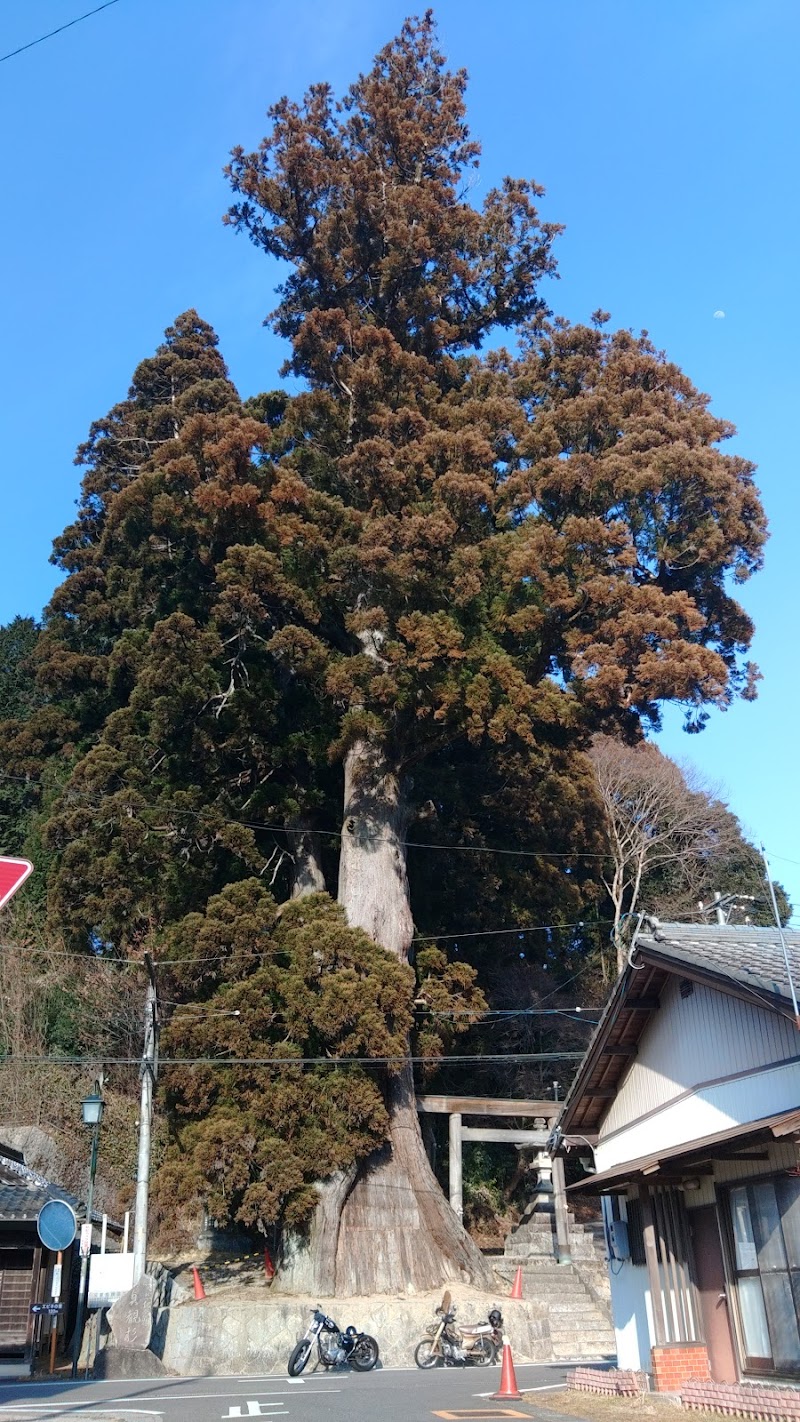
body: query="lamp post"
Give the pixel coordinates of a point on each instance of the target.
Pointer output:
(92, 1111)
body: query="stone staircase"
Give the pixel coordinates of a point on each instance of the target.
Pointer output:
(576, 1295)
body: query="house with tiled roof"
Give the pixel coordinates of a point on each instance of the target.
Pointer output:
(686, 1111)
(26, 1267)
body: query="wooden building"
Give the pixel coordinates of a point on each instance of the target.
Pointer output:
(687, 1106)
(26, 1268)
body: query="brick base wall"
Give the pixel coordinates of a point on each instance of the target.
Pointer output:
(675, 1363)
(611, 1382)
(742, 1399)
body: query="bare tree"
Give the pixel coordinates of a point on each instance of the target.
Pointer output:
(663, 820)
(62, 1016)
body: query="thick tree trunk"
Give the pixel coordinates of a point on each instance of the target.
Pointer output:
(389, 1228)
(397, 1231)
(308, 1262)
(308, 876)
(373, 883)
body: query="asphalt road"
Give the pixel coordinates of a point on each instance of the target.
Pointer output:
(386, 1395)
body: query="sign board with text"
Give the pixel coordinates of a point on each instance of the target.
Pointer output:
(110, 1276)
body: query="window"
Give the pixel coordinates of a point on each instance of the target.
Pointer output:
(765, 1227)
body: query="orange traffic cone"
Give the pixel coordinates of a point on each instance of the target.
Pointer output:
(269, 1267)
(516, 1287)
(199, 1291)
(508, 1378)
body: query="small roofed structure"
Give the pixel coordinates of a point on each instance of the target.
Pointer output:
(687, 1108)
(26, 1267)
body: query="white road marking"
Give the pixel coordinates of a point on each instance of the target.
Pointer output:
(543, 1387)
(203, 1396)
(254, 1410)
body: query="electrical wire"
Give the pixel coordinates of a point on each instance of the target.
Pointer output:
(575, 1014)
(518, 929)
(68, 26)
(167, 806)
(267, 828)
(399, 1060)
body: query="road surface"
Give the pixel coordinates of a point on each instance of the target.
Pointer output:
(386, 1395)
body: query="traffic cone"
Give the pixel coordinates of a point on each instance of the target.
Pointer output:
(199, 1291)
(269, 1267)
(508, 1378)
(516, 1287)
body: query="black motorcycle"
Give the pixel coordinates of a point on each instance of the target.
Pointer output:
(333, 1346)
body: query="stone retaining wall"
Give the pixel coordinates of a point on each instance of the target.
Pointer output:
(227, 1333)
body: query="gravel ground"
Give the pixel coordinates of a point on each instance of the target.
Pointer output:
(571, 1402)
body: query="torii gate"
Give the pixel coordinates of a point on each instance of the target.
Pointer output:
(544, 1113)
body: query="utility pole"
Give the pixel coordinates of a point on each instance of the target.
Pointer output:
(149, 1072)
(779, 927)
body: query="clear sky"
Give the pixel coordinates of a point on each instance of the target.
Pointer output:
(666, 137)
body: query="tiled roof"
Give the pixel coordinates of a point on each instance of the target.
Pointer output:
(23, 1191)
(21, 1204)
(745, 961)
(750, 956)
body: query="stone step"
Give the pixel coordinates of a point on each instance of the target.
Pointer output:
(580, 1346)
(584, 1348)
(553, 1286)
(534, 1265)
(597, 1340)
(580, 1342)
(565, 1302)
(584, 1355)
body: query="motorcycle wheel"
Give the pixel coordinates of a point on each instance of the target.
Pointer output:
(365, 1354)
(424, 1356)
(298, 1357)
(483, 1353)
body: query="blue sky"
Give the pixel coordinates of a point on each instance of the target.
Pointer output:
(665, 135)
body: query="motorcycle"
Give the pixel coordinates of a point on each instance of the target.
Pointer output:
(333, 1345)
(470, 1343)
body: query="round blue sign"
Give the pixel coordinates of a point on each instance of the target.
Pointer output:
(56, 1224)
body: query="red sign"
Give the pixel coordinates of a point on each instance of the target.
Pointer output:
(13, 872)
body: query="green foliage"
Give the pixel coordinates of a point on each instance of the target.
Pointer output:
(19, 699)
(469, 562)
(489, 1175)
(279, 985)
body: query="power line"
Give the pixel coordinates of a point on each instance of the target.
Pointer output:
(784, 859)
(575, 854)
(575, 1014)
(68, 26)
(168, 806)
(398, 1060)
(495, 932)
(516, 930)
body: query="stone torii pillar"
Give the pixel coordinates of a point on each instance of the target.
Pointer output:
(455, 1165)
(456, 1107)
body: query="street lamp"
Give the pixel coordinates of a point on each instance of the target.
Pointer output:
(92, 1112)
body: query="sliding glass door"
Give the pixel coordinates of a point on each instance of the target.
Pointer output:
(765, 1226)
